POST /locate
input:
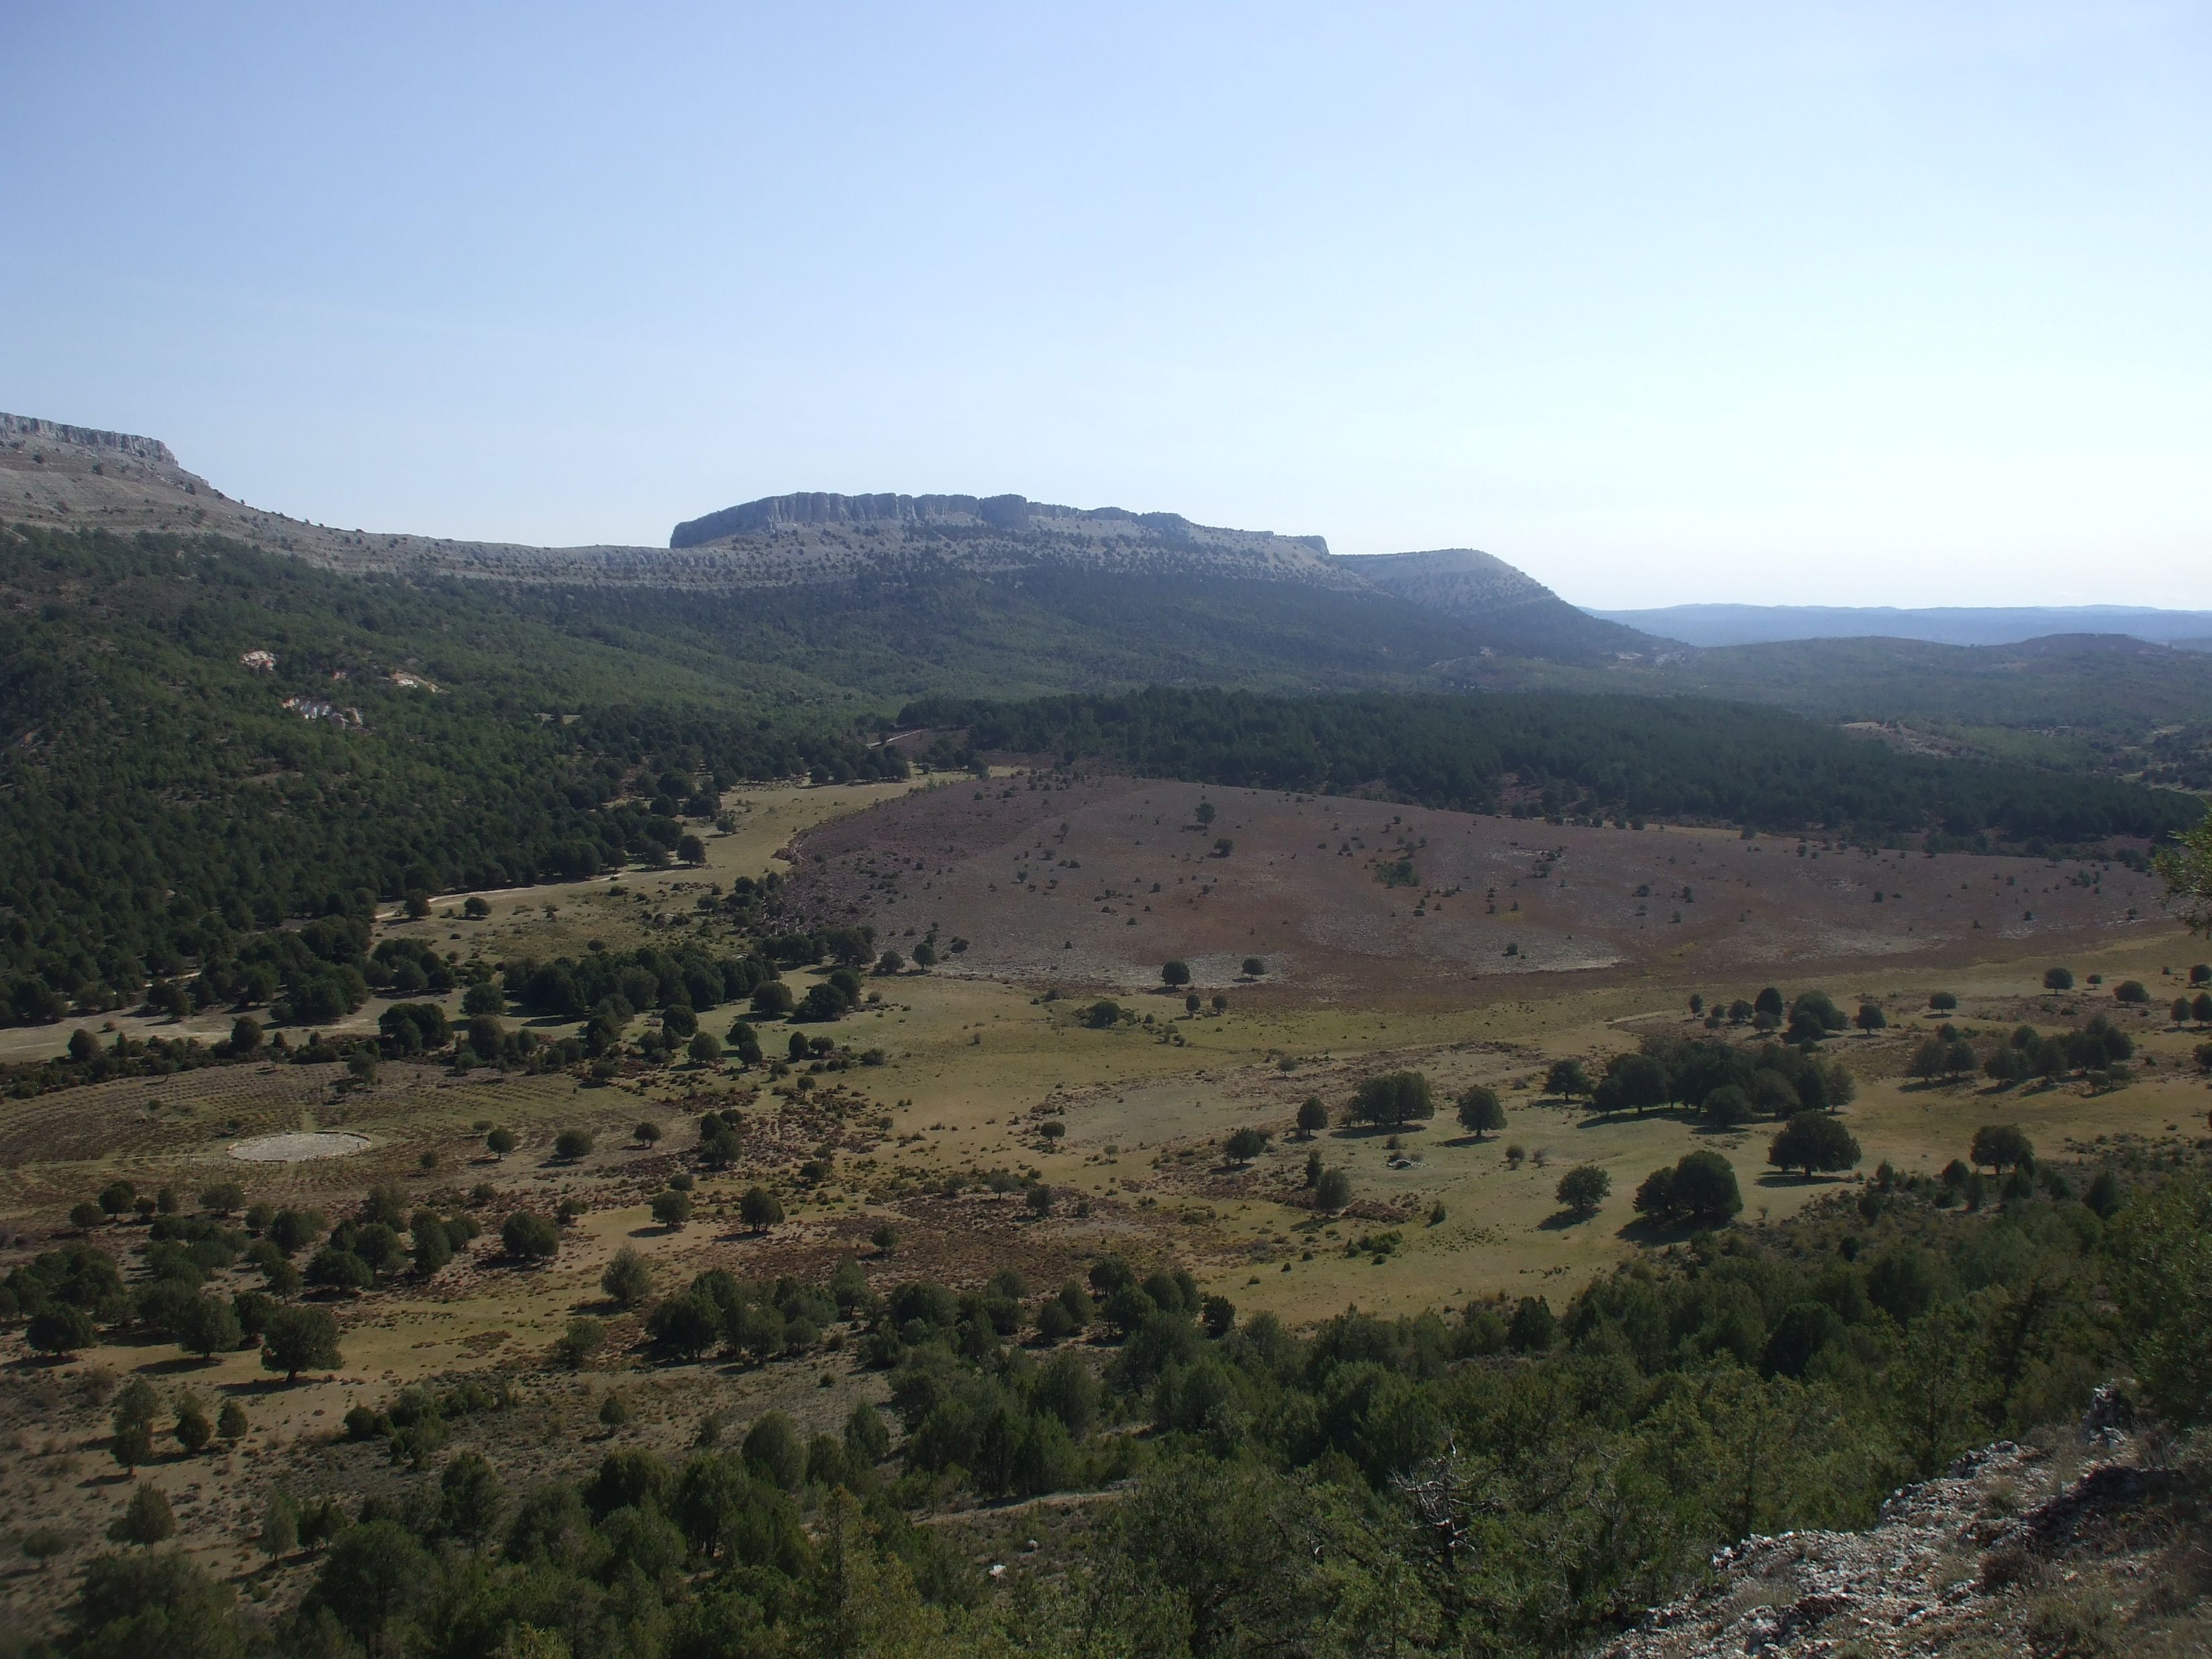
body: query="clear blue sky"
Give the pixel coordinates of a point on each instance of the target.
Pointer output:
(1850, 303)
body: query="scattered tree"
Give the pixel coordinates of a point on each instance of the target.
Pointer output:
(1481, 1112)
(1569, 1079)
(1812, 1140)
(628, 1279)
(1331, 1189)
(1584, 1188)
(146, 1520)
(1393, 1099)
(528, 1236)
(2002, 1146)
(297, 1338)
(759, 1209)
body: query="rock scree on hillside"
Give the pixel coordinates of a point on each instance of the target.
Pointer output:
(2014, 1549)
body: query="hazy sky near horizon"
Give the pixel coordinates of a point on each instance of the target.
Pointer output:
(1869, 303)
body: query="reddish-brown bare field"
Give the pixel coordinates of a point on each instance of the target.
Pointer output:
(1096, 883)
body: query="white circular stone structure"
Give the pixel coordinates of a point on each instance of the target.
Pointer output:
(299, 1148)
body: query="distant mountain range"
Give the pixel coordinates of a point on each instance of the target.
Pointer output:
(1766, 625)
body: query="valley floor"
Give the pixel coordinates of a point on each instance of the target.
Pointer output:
(985, 1055)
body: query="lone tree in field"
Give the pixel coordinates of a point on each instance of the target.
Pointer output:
(2002, 1146)
(296, 1340)
(645, 1134)
(2058, 979)
(1393, 1099)
(1568, 1079)
(1331, 1189)
(1254, 967)
(500, 1143)
(1871, 1017)
(1480, 1112)
(759, 1209)
(1205, 813)
(1584, 1188)
(1245, 1145)
(1812, 1140)
(1175, 973)
(1313, 1117)
(1943, 1002)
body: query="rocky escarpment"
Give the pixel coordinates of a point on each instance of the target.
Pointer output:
(24, 431)
(824, 537)
(2081, 1545)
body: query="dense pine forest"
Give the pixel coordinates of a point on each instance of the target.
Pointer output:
(1585, 754)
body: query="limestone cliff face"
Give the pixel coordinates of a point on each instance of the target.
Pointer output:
(822, 507)
(19, 430)
(826, 537)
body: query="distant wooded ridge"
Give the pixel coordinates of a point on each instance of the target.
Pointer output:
(1760, 624)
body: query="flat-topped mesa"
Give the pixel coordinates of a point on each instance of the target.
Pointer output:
(824, 506)
(20, 431)
(1002, 513)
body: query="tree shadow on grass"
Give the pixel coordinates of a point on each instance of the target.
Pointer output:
(1560, 1220)
(1799, 1178)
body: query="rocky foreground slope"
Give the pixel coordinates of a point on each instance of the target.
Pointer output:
(2090, 1545)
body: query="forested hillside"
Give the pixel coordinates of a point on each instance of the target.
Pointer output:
(2093, 703)
(161, 798)
(1619, 756)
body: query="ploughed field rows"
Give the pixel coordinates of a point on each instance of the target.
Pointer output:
(1097, 882)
